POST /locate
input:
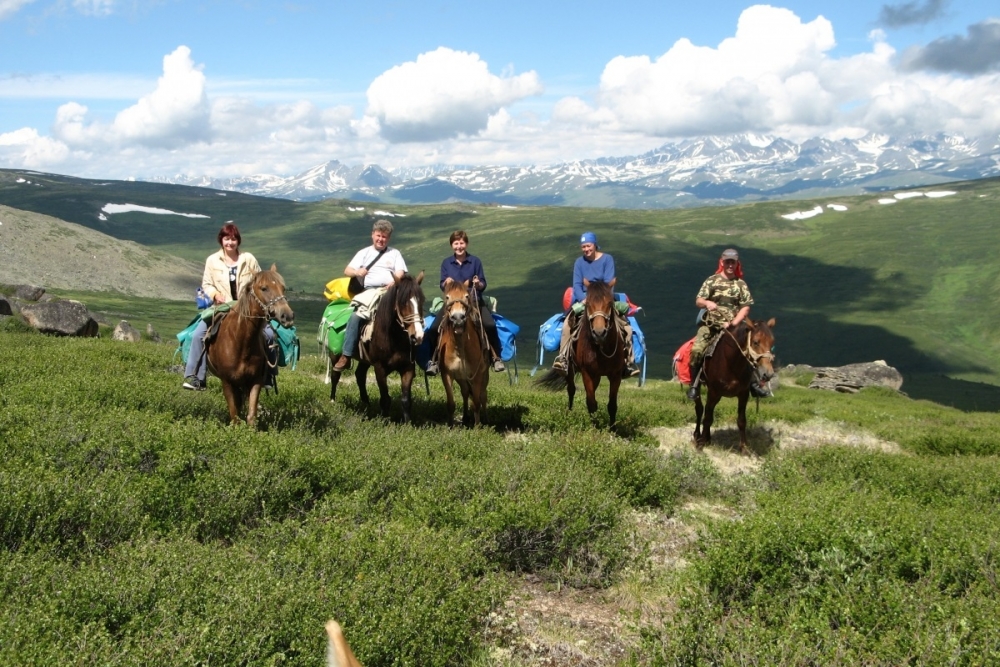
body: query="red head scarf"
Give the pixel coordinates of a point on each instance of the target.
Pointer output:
(739, 269)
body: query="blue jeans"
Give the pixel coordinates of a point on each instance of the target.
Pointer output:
(351, 335)
(197, 365)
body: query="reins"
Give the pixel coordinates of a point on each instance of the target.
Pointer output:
(611, 322)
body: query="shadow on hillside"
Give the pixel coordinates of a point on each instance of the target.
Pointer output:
(960, 394)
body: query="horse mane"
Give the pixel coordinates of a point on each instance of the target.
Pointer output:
(245, 299)
(600, 290)
(396, 297)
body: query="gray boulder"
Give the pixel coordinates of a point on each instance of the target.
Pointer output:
(852, 378)
(62, 318)
(126, 332)
(28, 292)
(153, 335)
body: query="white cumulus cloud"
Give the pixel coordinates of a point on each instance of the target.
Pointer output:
(26, 148)
(10, 7)
(175, 114)
(443, 94)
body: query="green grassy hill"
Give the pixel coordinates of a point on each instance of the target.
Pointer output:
(904, 283)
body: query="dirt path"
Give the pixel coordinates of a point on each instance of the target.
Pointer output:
(543, 624)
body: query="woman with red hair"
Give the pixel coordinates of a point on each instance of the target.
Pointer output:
(226, 272)
(725, 301)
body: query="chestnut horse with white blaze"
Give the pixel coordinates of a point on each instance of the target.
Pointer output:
(397, 331)
(238, 355)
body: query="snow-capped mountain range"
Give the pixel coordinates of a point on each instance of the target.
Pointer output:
(694, 172)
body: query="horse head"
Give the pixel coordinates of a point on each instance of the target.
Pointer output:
(458, 304)
(408, 303)
(759, 347)
(600, 305)
(267, 298)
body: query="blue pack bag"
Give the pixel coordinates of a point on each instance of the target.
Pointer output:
(201, 299)
(507, 331)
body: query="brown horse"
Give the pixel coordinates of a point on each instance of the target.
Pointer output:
(598, 350)
(462, 356)
(237, 354)
(739, 356)
(397, 331)
(338, 651)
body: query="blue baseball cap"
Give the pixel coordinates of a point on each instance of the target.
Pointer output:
(588, 237)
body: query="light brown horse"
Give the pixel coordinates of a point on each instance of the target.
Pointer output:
(462, 356)
(598, 351)
(338, 651)
(237, 354)
(739, 356)
(397, 331)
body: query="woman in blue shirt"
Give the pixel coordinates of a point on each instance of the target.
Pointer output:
(591, 266)
(462, 266)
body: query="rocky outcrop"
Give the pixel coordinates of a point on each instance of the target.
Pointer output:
(62, 318)
(851, 378)
(152, 334)
(5, 307)
(126, 332)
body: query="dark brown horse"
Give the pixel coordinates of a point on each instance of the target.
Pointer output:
(397, 331)
(740, 356)
(598, 350)
(237, 354)
(462, 356)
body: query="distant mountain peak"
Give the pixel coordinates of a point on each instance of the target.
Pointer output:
(715, 170)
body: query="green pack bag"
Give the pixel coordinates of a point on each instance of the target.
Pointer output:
(289, 348)
(333, 325)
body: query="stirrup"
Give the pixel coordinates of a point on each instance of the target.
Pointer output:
(560, 365)
(432, 368)
(693, 391)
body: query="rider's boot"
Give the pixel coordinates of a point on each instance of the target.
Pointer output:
(695, 369)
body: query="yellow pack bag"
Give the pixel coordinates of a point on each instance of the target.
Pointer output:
(338, 289)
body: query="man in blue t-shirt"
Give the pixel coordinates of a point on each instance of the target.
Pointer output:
(592, 266)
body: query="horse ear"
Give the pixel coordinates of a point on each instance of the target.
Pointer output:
(448, 282)
(586, 283)
(466, 284)
(274, 268)
(613, 281)
(750, 325)
(420, 277)
(771, 322)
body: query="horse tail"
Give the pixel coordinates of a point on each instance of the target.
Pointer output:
(552, 381)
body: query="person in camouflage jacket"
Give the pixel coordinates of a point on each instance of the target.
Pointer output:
(726, 300)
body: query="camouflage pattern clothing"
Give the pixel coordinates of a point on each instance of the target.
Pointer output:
(730, 296)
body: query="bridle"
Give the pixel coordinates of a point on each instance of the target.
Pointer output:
(750, 354)
(268, 307)
(610, 322)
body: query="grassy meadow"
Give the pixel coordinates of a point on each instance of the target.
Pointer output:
(904, 283)
(136, 527)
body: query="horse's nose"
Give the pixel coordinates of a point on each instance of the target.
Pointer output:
(287, 318)
(457, 319)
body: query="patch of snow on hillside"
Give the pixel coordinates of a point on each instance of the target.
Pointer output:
(21, 180)
(355, 208)
(126, 208)
(802, 215)
(941, 193)
(221, 194)
(101, 216)
(837, 207)
(391, 215)
(908, 195)
(505, 206)
(887, 201)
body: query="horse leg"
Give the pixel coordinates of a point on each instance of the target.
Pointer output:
(449, 392)
(406, 381)
(699, 410)
(384, 399)
(234, 400)
(570, 386)
(361, 376)
(466, 388)
(334, 377)
(709, 418)
(590, 384)
(615, 381)
(484, 381)
(252, 409)
(741, 420)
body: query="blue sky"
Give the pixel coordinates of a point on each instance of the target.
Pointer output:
(144, 88)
